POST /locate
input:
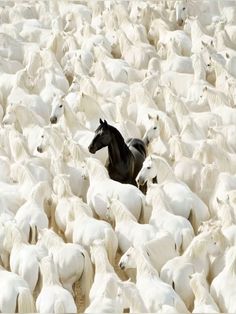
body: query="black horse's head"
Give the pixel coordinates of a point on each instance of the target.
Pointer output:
(102, 137)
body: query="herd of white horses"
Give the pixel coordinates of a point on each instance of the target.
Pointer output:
(162, 71)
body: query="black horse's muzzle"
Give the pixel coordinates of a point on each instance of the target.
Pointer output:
(92, 149)
(53, 120)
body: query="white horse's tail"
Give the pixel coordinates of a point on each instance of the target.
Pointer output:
(33, 234)
(25, 301)
(187, 236)
(59, 307)
(86, 279)
(111, 243)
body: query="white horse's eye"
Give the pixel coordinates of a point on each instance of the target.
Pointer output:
(60, 106)
(42, 136)
(154, 128)
(184, 9)
(149, 168)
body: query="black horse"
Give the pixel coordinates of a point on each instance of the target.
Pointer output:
(125, 158)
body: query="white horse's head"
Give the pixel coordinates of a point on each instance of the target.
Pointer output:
(127, 260)
(148, 171)
(43, 141)
(57, 112)
(10, 115)
(153, 131)
(181, 11)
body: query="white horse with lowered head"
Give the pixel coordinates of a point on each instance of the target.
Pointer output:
(72, 261)
(53, 298)
(15, 293)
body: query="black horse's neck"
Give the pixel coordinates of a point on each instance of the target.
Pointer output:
(117, 149)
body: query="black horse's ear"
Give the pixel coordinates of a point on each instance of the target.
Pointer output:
(100, 120)
(105, 122)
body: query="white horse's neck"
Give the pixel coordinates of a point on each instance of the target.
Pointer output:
(159, 204)
(144, 267)
(91, 108)
(96, 171)
(164, 171)
(55, 141)
(197, 249)
(49, 274)
(71, 120)
(102, 264)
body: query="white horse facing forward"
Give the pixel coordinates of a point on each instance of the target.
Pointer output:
(154, 291)
(181, 199)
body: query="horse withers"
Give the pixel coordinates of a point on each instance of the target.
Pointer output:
(125, 158)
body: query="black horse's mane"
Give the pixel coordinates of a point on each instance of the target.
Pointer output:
(114, 131)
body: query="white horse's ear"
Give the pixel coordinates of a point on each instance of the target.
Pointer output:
(205, 88)
(157, 117)
(149, 117)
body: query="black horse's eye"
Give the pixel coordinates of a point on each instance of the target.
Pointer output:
(60, 106)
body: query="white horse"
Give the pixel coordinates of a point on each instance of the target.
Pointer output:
(66, 201)
(61, 111)
(129, 231)
(24, 258)
(223, 288)
(31, 215)
(72, 125)
(109, 301)
(102, 188)
(163, 218)
(15, 294)
(181, 199)
(72, 261)
(53, 298)
(104, 271)
(153, 290)
(82, 229)
(203, 301)
(196, 258)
